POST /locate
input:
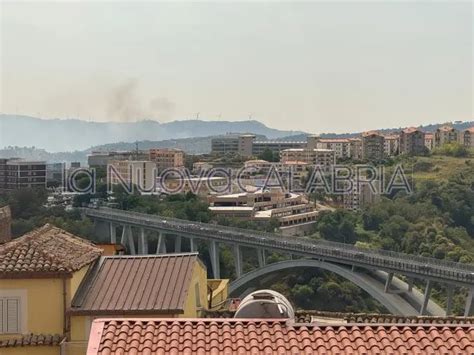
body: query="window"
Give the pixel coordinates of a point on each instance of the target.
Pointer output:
(9, 315)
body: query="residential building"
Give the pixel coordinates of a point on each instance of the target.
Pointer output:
(355, 148)
(258, 335)
(5, 224)
(18, 174)
(325, 158)
(446, 134)
(39, 274)
(412, 141)
(429, 141)
(360, 197)
(391, 145)
(54, 284)
(257, 165)
(162, 286)
(373, 145)
(140, 173)
(294, 212)
(467, 137)
(340, 146)
(167, 158)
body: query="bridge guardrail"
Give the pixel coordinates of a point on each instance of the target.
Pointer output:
(403, 262)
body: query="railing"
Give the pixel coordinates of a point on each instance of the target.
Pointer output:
(414, 264)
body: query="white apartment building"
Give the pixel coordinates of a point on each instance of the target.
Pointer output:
(140, 173)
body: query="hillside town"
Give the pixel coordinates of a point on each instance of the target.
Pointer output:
(236, 177)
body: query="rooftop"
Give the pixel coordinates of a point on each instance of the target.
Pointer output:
(151, 284)
(273, 336)
(45, 252)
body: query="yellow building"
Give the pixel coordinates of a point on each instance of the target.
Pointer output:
(39, 274)
(53, 284)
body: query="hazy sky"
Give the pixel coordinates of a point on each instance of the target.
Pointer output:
(312, 66)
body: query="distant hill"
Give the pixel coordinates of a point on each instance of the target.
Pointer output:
(50, 133)
(72, 134)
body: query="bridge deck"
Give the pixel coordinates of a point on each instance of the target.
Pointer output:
(410, 265)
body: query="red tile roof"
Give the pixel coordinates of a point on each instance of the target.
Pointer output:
(446, 128)
(47, 251)
(241, 336)
(470, 129)
(148, 284)
(410, 130)
(32, 340)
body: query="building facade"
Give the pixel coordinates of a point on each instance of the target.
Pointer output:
(467, 137)
(19, 174)
(325, 158)
(140, 173)
(373, 146)
(391, 145)
(445, 135)
(412, 141)
(167, 158)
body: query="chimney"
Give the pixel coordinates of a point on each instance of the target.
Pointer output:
(5, 224)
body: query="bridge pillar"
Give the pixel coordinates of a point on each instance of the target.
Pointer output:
(410, 285)
(449, 300)
(426, 298)
(388, 282)
(161, 246)
(261, 257)
(192, 244)
(113, 233)
(469, 310)
(131, 242)
(238, 260)
(214, 254)
(177, 244)
(143, 242)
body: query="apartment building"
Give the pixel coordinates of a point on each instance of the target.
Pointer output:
(446, 134)
(391, 145)
(412, 141)
(140, 173)
(467, 137)
(326, 158)
(360, 197)
(340, 146)
(355, 148)
(373, 146)
(294, 212)
(429, 141)
(19, 174)
(166, 158)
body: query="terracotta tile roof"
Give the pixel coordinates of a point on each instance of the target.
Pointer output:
(308, 316)
(334, 140)
(32, 340)
(446, 128)
(410, 130)
(148, 284)
(470, 129)
(253, 336)
(370, 133)
(45, 252)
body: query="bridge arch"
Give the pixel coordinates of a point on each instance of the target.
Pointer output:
(394, 303)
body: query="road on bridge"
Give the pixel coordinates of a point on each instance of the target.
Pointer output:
(392, 262)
